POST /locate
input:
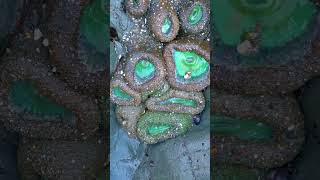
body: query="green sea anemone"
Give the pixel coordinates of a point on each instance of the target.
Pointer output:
(255, 131)
(137, 8)
(164, 21)
(154, 127)
(187, 62)
(195, 16)
(276, 21)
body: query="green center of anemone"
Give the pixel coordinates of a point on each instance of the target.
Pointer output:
(166, 25)
(24, 95)
(181, 101)
(190, 64)
(157, 129)
(244, 129)
(196, 14)
(144, 70)
(121, 94)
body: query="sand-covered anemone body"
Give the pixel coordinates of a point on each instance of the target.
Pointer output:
(266, 131)
(168, 69)
(43, 100)
(83, 65)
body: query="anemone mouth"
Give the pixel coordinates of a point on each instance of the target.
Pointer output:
(166, 26)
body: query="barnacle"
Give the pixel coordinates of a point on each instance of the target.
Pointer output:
(167, 75)
(266, 136)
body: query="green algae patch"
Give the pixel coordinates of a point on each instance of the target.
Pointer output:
(277, 21)
(244, 129)
(155, 127)
(24, 96)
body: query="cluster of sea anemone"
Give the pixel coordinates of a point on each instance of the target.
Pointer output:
(158, 86)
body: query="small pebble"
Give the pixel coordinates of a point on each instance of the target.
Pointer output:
(196, 119)
(45, 42)
(37, 34)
